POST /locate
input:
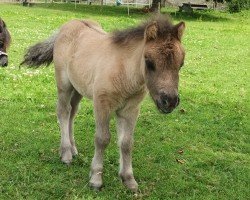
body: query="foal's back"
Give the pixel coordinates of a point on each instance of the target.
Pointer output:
(71, 36)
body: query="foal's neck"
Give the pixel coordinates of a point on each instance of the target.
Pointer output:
(134, 63)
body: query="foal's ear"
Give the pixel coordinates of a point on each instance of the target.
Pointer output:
(151, 31)
(179, 30)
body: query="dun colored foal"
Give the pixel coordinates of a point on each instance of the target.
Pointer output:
(115, 70)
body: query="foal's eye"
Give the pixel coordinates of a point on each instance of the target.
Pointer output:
(150, 65)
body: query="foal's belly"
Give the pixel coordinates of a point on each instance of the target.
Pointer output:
(81, 80)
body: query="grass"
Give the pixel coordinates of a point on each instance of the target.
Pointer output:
(211, 125)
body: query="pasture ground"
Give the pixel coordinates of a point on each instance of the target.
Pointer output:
(211, 125)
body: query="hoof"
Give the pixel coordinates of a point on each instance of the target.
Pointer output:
(66, 155)
(132, 186)
(67, 162)
(95, 187)
(96, 181)
(130, 183)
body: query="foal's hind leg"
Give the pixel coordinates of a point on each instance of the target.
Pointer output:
(63, 112)
(75, 100)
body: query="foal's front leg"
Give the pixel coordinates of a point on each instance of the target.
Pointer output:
(126, 120)
(102, 139)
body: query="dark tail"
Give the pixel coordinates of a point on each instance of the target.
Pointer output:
(40, 54)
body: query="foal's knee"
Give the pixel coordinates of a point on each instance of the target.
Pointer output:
(63, 110)
(102, 140)
(126, 144)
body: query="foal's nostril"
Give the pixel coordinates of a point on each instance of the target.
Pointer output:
(164, 100)
(175, 101)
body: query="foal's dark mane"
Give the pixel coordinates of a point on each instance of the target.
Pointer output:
(164, 26)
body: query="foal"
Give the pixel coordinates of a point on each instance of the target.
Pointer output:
(115, 71)
(4, 43)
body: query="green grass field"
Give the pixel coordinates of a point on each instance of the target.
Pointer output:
(211, 125)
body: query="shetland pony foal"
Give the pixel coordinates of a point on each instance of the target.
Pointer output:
(114, 70)
(4, 43)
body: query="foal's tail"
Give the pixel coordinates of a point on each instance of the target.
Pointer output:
(40, 53)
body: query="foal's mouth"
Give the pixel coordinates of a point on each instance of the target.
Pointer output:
(166, 107)
(164, 110)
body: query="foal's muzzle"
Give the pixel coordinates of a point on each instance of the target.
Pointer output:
(167, 103)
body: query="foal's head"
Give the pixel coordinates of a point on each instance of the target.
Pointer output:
(4, 44)
(163, 58)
